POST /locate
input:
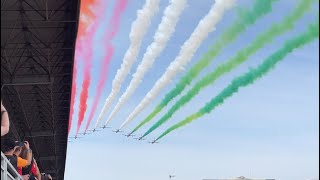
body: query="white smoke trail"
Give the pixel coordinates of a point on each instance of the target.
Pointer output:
(164, 32)
(138, 30)
(188, 49)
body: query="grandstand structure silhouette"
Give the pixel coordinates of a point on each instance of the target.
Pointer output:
(37, 56)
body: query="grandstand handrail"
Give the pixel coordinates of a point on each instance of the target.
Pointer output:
(6, 166)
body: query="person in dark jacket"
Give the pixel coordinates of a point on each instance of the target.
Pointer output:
(10, 146)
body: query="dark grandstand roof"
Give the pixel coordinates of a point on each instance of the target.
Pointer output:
(37, 49)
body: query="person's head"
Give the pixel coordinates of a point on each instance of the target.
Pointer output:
(26, 177)
(45, 176)
(9, 146)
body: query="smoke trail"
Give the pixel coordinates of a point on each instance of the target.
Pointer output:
(251, 76)
(112, 31)
(241, 56)
(164, 32)
(86, 18)
(84, 94)
(86, 44)
(138, 30)
(87, 54)
(101, 83)
(205, 26)
(246, 18)
(85, 40)
(73, 94)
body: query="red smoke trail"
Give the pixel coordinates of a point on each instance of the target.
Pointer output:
(101, 84)
(78, 55)
(111, 33)
(87, 16)
(86, 44)
(73, 92)
(87, 59)
(84, 23)
(84, 94)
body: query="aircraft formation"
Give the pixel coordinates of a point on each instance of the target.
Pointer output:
(91, 131)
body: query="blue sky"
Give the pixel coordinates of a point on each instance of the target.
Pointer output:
(268, 130)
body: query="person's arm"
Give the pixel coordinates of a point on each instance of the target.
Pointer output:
(49, 176)
(29, 152)
(4, 121)
(36, 171)
(38, 176)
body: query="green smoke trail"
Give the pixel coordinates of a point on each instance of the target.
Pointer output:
(251, 76)
(239, 58)
(245, 19)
